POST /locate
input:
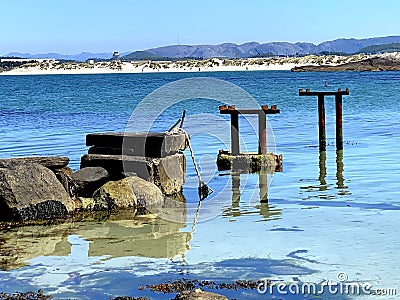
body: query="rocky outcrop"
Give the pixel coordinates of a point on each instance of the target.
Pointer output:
(371, 64)
(30, 191)
(88, 180)
(142, 169)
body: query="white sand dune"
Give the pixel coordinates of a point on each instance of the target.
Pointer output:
(209, 65)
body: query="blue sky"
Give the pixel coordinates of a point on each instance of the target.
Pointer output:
(73, 26)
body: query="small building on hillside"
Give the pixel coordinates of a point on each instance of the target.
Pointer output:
(115, 55)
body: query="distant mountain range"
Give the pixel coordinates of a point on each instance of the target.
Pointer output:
(230, 50)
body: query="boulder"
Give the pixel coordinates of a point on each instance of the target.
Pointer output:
(114, 195)
(148, 195)
(128, 192)
(88, 180)
(30, 191)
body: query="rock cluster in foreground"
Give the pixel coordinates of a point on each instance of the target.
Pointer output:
(121, 170)
(33, 190)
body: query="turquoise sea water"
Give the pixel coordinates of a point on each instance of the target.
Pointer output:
(325, 214)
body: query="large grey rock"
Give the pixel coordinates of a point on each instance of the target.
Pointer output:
(30, 191)
(88, 180)
(129, 192)
(168, 173)
(51, 162)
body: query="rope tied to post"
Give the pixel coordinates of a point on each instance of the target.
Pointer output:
(203, 189)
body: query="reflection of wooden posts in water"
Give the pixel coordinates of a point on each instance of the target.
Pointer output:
(322, 168)
(262, 127)
(321, 115)
(235, 190)
(339, 169)
(263, 185)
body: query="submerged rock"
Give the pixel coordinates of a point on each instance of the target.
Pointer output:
(88, 180)
(199, 295)
(30, 191)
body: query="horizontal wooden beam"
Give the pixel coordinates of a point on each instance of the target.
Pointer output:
(307, 92)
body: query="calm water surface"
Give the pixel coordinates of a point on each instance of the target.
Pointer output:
(325, 214)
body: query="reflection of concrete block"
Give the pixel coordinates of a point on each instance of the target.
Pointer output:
(168, 173)
(152, 144)
(158, 238)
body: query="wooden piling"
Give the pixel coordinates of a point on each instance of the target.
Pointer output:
(262, 125)
(235, 134)
(321, 115)
(339, 122)
(321, 123)
(262, 133)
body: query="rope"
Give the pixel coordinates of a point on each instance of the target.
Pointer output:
(203, 189)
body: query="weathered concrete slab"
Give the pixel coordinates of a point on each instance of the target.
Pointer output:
(51, 162)
(168, 173)
(148, 144)
(249, 162)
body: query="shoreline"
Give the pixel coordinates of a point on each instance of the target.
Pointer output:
(185, 66)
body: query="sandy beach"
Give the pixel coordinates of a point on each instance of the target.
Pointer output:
(209, 65)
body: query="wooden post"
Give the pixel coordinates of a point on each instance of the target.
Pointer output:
(235, 133)
(339, 122)
(262, 133)
(321, 123)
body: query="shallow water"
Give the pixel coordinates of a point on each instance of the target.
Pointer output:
(325, 214)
